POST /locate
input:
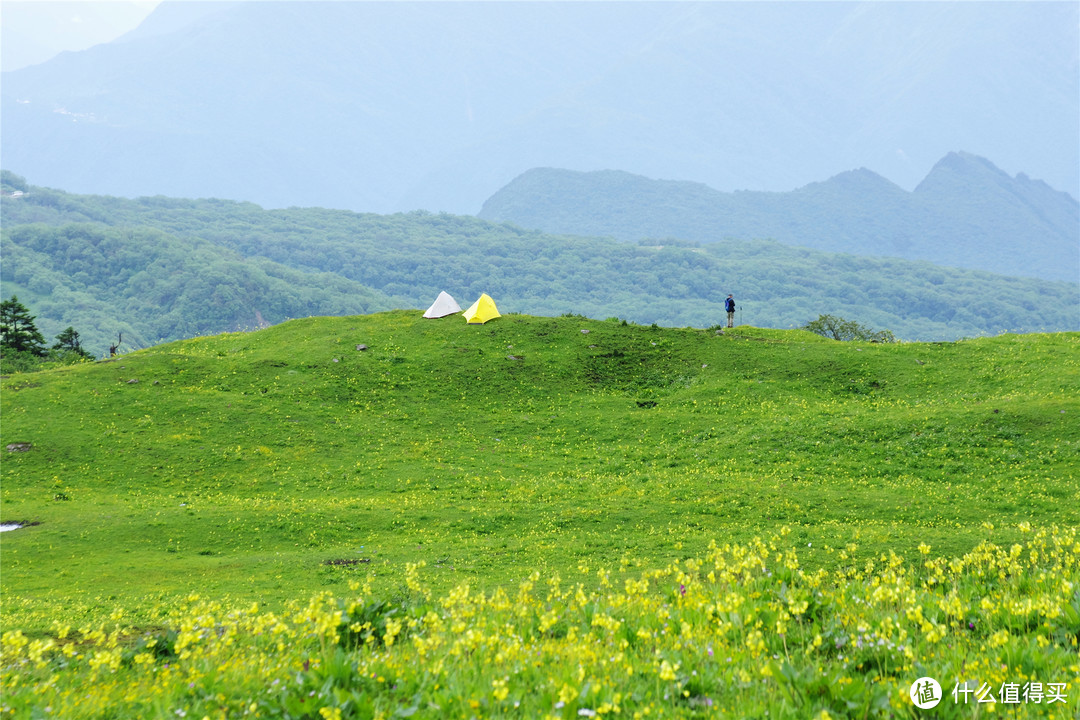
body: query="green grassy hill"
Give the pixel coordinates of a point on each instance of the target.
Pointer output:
(241, 463)
(263, 467)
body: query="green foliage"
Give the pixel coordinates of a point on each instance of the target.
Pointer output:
(367, 624)
(68, 343)
(18, 333)
(840, 329)
(154, 287)
(10, 182)
(20, 362)
(757, 632)
(159, 269)
(22, 345)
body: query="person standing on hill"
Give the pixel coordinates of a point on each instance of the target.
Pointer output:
(729, 305)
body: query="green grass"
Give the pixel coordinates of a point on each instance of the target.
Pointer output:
(524, 519)
(240, 465)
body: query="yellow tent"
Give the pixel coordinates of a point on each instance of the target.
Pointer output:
(481, 311)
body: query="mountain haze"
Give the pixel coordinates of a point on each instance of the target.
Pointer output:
(965, 213)
(397, 106)
(33, 32)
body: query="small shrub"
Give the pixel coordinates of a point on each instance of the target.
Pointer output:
(838, 328)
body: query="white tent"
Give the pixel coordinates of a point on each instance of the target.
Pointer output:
(444, 305)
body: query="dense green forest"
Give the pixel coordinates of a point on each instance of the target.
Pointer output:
(159, 269)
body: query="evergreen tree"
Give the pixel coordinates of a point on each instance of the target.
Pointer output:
(17, 330)
(68, 342)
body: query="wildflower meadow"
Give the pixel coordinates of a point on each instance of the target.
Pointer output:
(380, 516)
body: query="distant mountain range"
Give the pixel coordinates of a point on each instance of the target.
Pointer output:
(390, 106)
(966, 213)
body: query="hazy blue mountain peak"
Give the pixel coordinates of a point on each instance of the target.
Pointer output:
(860, 180)
(391, 106)
(966, 213)
(960, 170)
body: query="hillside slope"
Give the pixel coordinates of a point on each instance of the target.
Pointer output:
(241, 464)
(151, 287)
(965, 213)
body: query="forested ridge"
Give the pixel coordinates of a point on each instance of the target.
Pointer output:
(159, 269)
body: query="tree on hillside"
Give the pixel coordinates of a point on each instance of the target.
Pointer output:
(67, 342)
(18, 334)
(837, 328)
(10, 182)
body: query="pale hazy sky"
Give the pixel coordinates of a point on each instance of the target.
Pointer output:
(34, 31)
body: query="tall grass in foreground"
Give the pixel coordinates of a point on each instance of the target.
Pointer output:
(743, 631)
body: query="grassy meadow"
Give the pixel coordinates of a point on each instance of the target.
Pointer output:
(542, 517)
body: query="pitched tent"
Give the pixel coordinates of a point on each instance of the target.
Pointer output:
(481, 311)
(444, 305)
